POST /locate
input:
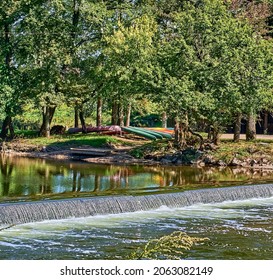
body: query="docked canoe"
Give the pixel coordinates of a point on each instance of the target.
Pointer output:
(139, 133)
(154, 133)
(111, 129)
(90, 151)
(161, 134)
(161, 129)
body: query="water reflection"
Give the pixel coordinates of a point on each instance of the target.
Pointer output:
(29, 179)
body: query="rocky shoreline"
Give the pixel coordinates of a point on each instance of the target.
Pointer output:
(118, 156)
(123, 156)
(196, 157)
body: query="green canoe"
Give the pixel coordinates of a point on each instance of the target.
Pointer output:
(138, 132)
(154, 133)
(163, 134)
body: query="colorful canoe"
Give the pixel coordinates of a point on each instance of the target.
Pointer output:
(161, 129)
(154, 133)
(157, 132)
(111, 129)
(146, 135)
(166, 133)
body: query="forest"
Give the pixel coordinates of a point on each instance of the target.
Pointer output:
(205, 65)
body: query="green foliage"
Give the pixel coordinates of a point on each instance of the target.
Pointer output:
(171, 246)
(197, 60)
(213, 65)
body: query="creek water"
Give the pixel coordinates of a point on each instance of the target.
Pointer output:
(240, 229)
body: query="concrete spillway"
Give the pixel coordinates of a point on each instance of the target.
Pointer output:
(26, 212)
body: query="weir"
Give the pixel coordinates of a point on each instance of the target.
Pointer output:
(26, 212)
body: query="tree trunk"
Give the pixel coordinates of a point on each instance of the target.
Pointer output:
(164, 120)
(209, 132)
(7, 123)
(176, 133)
(81, 115)
(128, 115)
(181, 132)
(48, 113)
(201, 147)
(215, 134)
(216, 137)
(114, 113)
(5, 127)
(237, 128)
(251, 127)
(265, 122)
(99, 112)
(121, 116)
(11, 129)
(76, 116)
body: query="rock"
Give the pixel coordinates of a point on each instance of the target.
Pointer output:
(43, 149)
(175, 159)
(264, 161)
(200, 163)
(221, 163)
(209, 160)
(236, 162)
(165, 161)
(190, 156)
(57, 130)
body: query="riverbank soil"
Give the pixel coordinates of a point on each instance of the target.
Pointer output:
(127, 150)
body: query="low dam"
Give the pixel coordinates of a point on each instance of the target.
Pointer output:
(26, 212)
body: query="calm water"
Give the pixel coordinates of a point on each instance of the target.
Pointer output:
(237, 230)
(31, 179)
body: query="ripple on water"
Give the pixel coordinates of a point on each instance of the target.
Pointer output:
(227, 224)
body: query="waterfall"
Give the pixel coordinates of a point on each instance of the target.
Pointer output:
(26, 212)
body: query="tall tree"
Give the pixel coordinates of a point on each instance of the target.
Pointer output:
(12, 13)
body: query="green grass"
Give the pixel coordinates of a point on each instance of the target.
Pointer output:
(75, 140)
(66, 140)
(227, 150)
(26, 133)
(151, 148)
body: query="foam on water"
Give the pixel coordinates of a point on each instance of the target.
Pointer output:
(224, 210)
(19, 213)
(236, 228)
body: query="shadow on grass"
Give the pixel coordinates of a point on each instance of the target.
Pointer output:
(69, 140)
(83, 140)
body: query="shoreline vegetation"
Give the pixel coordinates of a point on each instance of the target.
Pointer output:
(127, 150)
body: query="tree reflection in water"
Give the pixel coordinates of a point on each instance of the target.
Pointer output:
(28, 179)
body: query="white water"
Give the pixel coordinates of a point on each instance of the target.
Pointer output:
(18, 213)
(239, 229)
(223, 210)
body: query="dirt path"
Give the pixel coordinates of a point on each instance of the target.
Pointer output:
(243, 136)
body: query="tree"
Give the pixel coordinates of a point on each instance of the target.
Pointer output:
(12, 13)
(200, 56)
(126, 63)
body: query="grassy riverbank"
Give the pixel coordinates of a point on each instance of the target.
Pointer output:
(33, 143)
(256, 153)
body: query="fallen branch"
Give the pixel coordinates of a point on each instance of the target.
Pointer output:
(200, 137)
